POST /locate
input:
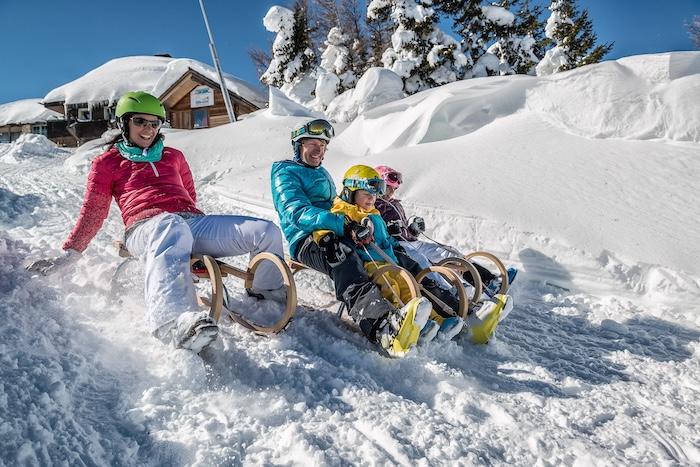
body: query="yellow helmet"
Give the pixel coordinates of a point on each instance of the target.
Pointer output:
(362, 177)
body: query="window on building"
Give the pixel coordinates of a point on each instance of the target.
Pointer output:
(200, 118)
(39, 130)
(83, 115)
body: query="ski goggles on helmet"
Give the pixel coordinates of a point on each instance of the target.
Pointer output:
(313, 129)
(393, 179)
(375, 186)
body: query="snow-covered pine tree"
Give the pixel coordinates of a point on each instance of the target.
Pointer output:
(694, 30)
(336, 58)
(348, 16)
(530, 26)
(293, 57)
(421, 53)
(500, 31)
(571, 32)
(468, 22)
(515, 34)
(380, 30)
(333, 77)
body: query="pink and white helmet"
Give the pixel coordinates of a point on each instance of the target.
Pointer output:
(392, 177)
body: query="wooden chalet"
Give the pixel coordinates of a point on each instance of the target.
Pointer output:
(195, 101)
(12, 132)
(23, 119)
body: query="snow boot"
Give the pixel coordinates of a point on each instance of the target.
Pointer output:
(450, 327)
(481, 323)
(401, 329)
(428, 332)
(277, 295)
(494, 285)
(192, 330)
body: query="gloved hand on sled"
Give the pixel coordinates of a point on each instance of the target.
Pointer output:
(335, 251)
(393, 228)
(417, 227)
(49, 266)
(358, 233)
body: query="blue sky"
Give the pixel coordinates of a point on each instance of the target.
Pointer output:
(47, 43)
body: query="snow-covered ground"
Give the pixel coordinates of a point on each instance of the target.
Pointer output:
(586, 181)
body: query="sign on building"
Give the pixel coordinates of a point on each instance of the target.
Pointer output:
(201, 96)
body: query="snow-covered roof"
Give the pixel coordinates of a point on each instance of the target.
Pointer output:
(178, 67)
(26, 111)
(143, 73)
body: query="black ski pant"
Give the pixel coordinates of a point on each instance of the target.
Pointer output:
(352, 284)
(486, 275)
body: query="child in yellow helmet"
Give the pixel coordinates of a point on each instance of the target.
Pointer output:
(361, 186)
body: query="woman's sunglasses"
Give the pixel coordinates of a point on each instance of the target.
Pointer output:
(142, 122)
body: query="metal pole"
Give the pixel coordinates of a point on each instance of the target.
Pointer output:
(215, 57)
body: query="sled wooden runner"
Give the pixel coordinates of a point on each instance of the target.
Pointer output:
(465, 303)
(501, 268)
(215, 271)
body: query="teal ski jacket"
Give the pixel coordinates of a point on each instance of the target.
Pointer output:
(303, 196)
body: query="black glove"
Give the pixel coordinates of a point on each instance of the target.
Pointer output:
(417, 227)
(334, 250)
(358, 233)
(394, 228)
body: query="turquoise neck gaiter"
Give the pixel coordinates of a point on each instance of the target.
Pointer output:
(136, 154)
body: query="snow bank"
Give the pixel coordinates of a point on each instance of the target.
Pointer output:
(29, 145)
(653, 98)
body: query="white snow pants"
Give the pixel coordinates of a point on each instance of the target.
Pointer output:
(427, 254)
(167, 241)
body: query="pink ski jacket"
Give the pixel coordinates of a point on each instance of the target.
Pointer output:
(140, 189)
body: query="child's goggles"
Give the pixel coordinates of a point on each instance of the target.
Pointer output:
(315, 128)
(394, 178)
(375, 186)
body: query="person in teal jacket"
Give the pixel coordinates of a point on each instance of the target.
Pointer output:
(302, 193)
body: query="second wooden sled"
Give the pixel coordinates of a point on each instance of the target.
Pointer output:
(376, 277)
(463, 264)
(215, 271)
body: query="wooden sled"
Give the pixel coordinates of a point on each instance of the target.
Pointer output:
(409, 280)
(466, 304)
(460, 266)
(208, 268)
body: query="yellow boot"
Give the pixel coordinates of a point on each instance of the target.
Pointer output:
(483, 322)
(402, 329)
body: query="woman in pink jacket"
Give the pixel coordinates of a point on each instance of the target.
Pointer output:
(154, 190)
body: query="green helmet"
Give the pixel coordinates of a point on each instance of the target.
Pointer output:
(139, 103)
